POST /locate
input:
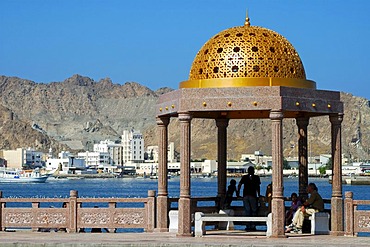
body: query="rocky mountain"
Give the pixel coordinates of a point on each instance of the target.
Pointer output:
(78, 112)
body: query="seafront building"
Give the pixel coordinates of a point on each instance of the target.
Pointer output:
(23, 158)
(151, 168)
(151, 154)
(94, 160)
(115, 151)
(107, 156)
(66, 163)
(133, 146)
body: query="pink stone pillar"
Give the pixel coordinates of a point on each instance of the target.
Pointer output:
(278, 208)
(73, 194)
(302, 124)
(162, 199)
(150, 210)
(349, 214)
(185, 200)
(221, 157)
(337, 227)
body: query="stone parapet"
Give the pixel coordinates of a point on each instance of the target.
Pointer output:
(78, 213)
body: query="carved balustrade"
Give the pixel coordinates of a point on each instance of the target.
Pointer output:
(356, 215)
(78, 213)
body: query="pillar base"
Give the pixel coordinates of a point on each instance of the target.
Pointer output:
(184, 218)
(336, 233)
(184, 235)
(161, 230)
(279, 236)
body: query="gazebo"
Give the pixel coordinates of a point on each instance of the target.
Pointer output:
(247, 72)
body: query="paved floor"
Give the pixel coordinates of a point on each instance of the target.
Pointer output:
(170, 239)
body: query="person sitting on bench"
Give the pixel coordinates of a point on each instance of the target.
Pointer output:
(312, 205)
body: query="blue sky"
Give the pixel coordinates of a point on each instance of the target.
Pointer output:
(154, 42)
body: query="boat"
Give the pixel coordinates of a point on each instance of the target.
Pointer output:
(21, 176)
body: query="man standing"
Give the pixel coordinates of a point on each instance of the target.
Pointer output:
(251, 192)
(312, 205)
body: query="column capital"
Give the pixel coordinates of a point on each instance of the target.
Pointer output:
(222, 122)
(336, 118)
(184, 116)
(276, 115)
(302, 121)
(162, 121)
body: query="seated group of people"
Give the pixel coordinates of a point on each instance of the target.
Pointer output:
(251, 192)
(310, 206)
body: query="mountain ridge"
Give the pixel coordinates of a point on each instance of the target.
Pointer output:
(83, 111)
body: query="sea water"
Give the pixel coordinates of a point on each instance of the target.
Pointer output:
(135, 187)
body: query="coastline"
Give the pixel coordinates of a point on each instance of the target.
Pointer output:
(82, 176)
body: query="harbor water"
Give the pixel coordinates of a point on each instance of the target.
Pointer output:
(138, 187)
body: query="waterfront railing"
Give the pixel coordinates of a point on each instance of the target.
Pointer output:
(78, 213)
(356, 215)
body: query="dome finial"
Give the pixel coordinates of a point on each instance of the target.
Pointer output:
(247, 23)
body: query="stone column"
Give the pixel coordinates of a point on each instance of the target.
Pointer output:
(184, 201)
(221, 157)
(162, 199)
(278, 208)
(337, 227)
(302, 124)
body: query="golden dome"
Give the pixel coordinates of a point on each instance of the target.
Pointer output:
(247, 56)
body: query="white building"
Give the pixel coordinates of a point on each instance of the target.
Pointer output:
(133, 146)
(65, 163)
(95, 160)
(152, 153)
(148, 168)
(209, 166)
(257, 158)
(115, 151)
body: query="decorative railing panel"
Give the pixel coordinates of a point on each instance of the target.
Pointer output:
(35, 217)
(78, 213)
(356, 220)
(112, 218)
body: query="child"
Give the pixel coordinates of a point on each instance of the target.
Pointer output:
(293, 208)
(230, 192)
(268, 197)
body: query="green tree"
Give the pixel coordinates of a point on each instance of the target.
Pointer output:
(322, 170)
(327, 166)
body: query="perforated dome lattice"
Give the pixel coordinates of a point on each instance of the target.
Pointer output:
(247, 51)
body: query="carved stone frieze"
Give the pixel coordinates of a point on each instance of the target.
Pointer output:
(18, 218)
(363, 221)
(129, 218)
(95, 218)
(51, 218)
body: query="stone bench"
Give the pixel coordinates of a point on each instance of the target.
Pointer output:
(201, 218)
(319, 223)
(174, 220)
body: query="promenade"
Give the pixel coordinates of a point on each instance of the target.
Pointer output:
(27, 238)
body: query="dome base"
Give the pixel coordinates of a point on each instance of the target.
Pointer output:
(248, 82)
